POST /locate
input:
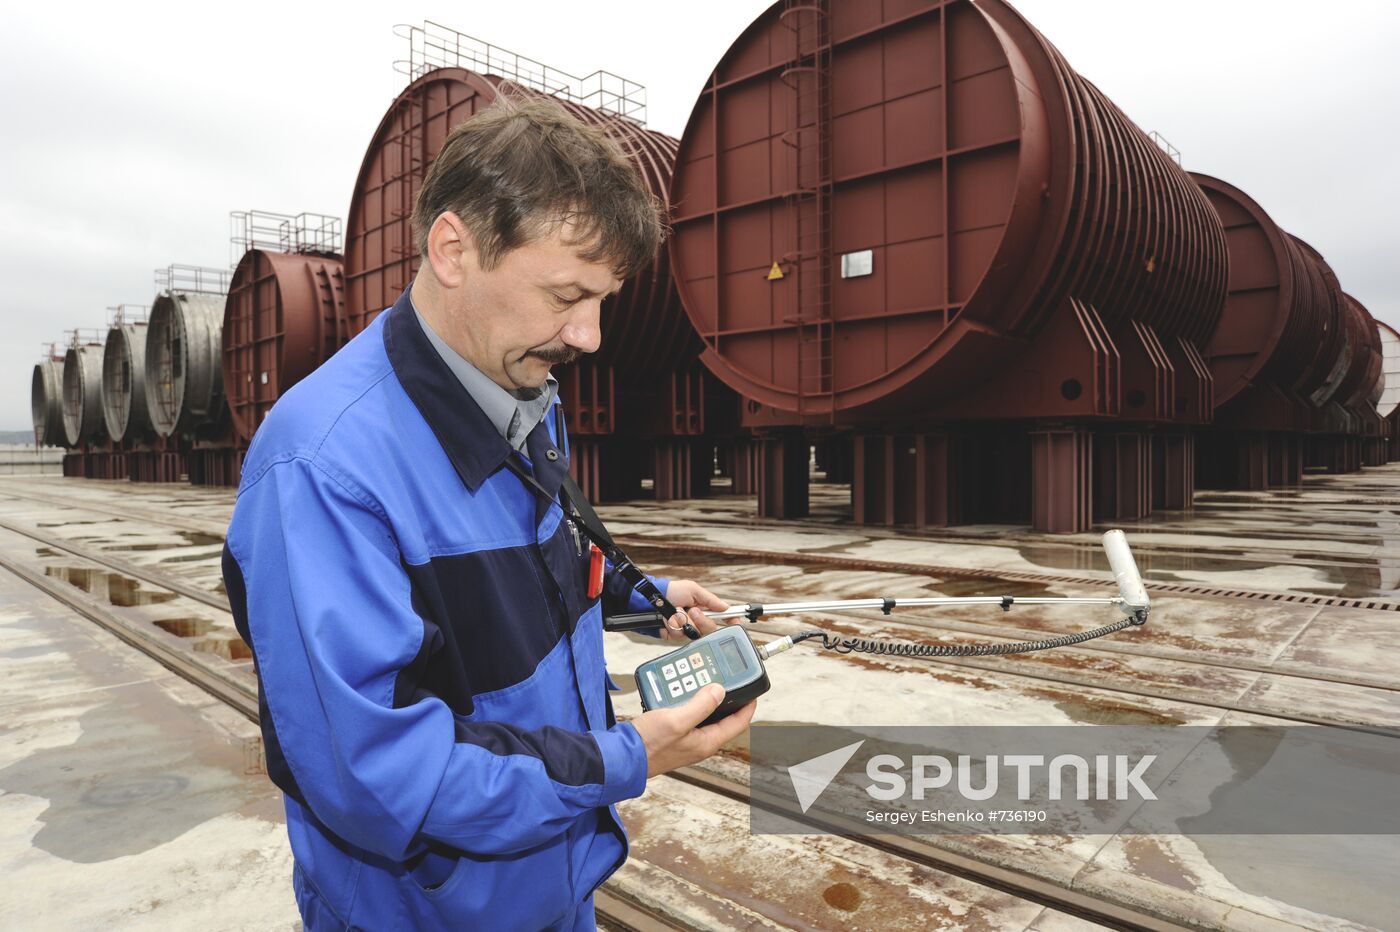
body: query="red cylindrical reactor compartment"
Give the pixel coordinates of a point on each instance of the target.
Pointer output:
(874, 206)
(1365, 362)
(645, 334)
(1287, 325)
(285, 315)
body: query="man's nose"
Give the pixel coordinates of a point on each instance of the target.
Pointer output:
(583, 331)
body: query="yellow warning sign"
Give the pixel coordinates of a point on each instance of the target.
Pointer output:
(775, 273)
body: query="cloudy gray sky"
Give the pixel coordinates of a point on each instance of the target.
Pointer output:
(131, 130)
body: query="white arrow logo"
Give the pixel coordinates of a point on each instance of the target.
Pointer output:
(811, 777)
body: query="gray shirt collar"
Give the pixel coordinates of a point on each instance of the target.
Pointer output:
(512, 415)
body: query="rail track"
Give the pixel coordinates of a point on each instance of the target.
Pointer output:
(837, 561)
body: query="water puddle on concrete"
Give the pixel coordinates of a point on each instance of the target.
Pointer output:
(227, 648)
(111, 587)
(185, 627)
(188, 557)
(200, 539)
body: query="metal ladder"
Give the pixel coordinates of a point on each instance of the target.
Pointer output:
(410, 144)
(809, 203)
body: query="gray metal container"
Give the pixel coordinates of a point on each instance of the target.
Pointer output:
(82, 395)
(184, 381)
(124, 383)
(46, 404)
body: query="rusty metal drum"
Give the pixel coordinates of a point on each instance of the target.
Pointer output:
(46, 403)
(184, 378)
(124, 408)
(874, 205)
(645, 334)
(285, 315)
(82, 395)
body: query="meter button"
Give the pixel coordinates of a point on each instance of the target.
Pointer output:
(682, 666)
(702, 677)
(669, 671)
(689, 684)
(697, 660)
(675, 688)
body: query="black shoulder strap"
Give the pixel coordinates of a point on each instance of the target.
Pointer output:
(576, 504)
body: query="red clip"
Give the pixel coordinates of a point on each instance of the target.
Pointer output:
(595, 571)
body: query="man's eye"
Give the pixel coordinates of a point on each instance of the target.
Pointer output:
(563, 301)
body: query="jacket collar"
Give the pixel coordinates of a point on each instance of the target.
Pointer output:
(472, 443)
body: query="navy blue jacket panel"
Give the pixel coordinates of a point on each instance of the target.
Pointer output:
(431, 673)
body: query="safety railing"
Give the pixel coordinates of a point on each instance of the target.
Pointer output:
(433, 46)
(274, 232)
(197, 278)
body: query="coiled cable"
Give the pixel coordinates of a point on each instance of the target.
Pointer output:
(850, 645)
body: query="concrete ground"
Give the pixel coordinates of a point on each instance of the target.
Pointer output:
(131, 799)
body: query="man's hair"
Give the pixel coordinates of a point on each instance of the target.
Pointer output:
(524, 165)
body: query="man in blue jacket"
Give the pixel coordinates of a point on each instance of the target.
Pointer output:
(433, 691)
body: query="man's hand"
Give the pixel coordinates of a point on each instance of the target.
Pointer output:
(673, 739)
(692, 598)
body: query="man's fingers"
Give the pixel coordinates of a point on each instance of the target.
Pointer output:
(690, 715)
(702, 622)
(731, 726)
(707, 599)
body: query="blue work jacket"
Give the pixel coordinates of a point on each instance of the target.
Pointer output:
(432, 686)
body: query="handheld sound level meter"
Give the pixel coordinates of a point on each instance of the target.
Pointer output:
(727, 657)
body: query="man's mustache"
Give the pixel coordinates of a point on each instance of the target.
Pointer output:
(556, 356)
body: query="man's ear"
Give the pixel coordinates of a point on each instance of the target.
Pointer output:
(451, 250)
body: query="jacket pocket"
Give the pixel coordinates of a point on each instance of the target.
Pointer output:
(528, 890)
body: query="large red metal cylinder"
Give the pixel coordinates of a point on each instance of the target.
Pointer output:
(874, 205)
(645, 334)
(285, 315)
(1287, 327)
(1357, 384)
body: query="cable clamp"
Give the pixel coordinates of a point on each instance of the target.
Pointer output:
(887, 606)
(754, 612)
(1006, 602)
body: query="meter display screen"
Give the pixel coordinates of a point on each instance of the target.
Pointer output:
(730, 651)
(718, 657)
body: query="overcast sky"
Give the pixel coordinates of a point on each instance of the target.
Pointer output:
(131, 130)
